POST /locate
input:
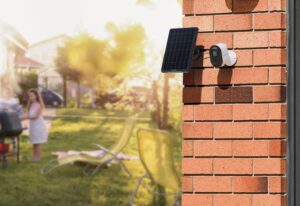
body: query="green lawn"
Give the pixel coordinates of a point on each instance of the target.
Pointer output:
(24, 185)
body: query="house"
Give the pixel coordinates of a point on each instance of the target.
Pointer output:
(45, 52)
(12, 45)
(26, 64)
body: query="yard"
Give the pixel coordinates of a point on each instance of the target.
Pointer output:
(23, 184)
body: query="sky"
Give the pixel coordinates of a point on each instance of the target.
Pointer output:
(41, 19)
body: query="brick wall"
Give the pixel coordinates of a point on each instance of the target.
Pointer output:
(234, 125)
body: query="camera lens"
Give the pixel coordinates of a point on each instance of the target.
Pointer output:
(215, 53)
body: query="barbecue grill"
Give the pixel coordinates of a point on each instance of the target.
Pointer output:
(10, 127)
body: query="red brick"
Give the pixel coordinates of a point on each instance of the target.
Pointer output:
(268, 200)
(277, 184)
(213, 76)
(251, 39)
(269, 94)
(213, 148)
(277, 39)
(232, 200)
(274, 166)
(188, 6)
(250, 184)
(269, 130)
(250, 111)
(204, 23)
(196, 200)
(208, 39)
(188, 112)
(212, 6)
(200, 62)
(196, 166)
(198, 95)
(188, 148)
(250, 5)
(277, 111)
(269, 21)
(236, 166)
(236, 130)
(283, 200)
(277, 5)
(213, 112)
(245, 57)
(236, 22)
(264, 57)
(188, 78)
(205, 62)
(250, 76)
(233, 94)
(277, 75)
(251, 148)
(197, 130)
(277, 148)
(226, 76)
(235, 139)
(212, 184)
(187, 184)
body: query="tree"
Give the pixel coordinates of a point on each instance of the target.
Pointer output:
(165, 99)
(88, 56)
(165, 111)
(128, 48)
(156, 102)
(26, 81)
(66, 72)
(102, 62)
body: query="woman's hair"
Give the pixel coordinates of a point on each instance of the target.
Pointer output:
(38, 96)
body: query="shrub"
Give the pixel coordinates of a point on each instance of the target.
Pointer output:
(27, 81)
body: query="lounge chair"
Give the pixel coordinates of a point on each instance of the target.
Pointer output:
(156, 154)
(109, 154)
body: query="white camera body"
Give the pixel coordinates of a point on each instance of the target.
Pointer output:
(220, 56)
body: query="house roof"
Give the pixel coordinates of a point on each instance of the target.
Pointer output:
(49, 39)
(23, 60)
(13, 35)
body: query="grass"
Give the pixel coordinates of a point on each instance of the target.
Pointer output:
(24, 185)
(97, 112)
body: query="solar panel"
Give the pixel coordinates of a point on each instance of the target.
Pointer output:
(179, 50)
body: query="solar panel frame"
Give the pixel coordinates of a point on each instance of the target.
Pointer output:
(179, 51)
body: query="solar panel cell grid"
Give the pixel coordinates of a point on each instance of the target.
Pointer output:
(179, 50)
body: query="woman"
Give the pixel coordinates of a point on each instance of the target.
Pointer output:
(37, 128)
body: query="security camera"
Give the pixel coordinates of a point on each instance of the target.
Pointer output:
(220, 56)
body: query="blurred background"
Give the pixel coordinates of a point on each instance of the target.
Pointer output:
(96, 63)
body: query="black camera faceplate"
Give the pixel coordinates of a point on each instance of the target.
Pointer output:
(216, 57)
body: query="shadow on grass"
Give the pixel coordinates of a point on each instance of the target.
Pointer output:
(24, 185)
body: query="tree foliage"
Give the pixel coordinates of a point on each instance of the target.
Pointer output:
(99, 61)
(63, 67)
(27, 81)
(102, 63)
